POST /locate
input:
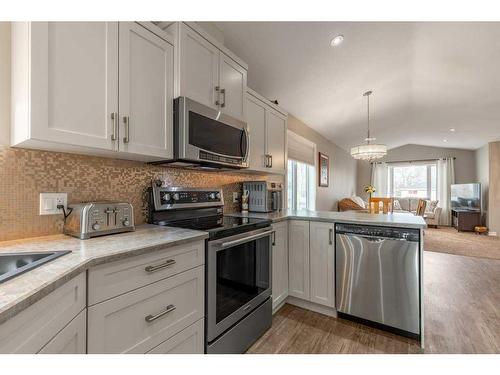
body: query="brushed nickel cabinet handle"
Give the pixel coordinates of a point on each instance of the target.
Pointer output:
(330, 236)
(114, 117)
(217, 90)
(271, 161)
(168, 263)
(223, 92)
(126, 121)
(151, 318)
(268, 161)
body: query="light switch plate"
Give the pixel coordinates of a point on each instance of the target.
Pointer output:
(50, 201)
(236, 197)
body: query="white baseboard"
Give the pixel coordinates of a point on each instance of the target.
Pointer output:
(329, 311)
(492, 234)
(279, 306)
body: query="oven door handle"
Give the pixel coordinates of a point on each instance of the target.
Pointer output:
(246, 239)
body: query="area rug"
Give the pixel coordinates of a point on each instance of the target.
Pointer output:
(449, 240)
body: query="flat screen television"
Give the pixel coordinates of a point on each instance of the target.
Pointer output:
(466, 197)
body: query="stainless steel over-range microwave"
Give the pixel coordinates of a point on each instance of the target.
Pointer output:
(206, 137)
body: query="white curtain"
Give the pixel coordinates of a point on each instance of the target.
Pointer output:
(380, 179)
(445, 178)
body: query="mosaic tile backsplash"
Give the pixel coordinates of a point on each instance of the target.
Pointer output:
(24, 174)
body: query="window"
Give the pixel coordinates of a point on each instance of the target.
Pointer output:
(413, 180)
(301, 186)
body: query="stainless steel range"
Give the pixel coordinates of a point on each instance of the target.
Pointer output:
(238, 305)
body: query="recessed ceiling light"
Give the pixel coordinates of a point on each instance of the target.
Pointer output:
(445, 140)
(337, 40)
(452, 129)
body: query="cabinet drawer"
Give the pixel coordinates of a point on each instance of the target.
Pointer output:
(31, 329)
(119, 325)
(71, 340)
(188, 341)
(112, 279)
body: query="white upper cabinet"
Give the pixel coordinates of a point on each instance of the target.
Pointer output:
(322, 263)
(74, 82)
(146, 92)
(276, 140)
(233, 85)
(256, 121)
(65, 82)
(199, 68)
(208, 72)
(267, 128)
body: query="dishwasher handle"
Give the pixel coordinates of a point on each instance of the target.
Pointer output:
(371, 231)
(374, 238)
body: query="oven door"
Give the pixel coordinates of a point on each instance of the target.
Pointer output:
(238, 278)
(204, 134)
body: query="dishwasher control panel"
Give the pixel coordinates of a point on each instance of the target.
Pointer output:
(408, 234)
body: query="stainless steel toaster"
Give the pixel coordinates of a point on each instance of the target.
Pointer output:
(263, 196)
(92, 219)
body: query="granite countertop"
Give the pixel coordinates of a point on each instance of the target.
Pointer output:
(22, 291)
(401, 220)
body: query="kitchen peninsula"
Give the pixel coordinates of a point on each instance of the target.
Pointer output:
(359, 266)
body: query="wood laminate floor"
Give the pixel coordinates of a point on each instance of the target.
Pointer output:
(462, 315)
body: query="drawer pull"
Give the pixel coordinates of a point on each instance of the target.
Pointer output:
(152, 318)
(168, 263)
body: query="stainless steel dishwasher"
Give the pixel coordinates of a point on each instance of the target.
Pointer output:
(378, 276)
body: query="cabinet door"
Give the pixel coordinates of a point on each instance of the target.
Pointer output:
(199, 67)
(322, 263)
(31, 329)
(71, 340)
(233, 86)
(256, 120)
(140, 320)
(280, 263)
(74, 82)
(191, 340)
(146, 92)
(298, 259)
(276, 136)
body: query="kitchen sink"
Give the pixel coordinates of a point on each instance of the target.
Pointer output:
(14, 264)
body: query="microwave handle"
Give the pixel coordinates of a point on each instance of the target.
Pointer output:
(248, 143)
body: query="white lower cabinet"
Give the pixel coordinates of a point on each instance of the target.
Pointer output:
(188, 341)
(280, 263)
(298, 259)
(33, 328)
(71, 340)
(322, 258)
(140, 320)
(311, 253)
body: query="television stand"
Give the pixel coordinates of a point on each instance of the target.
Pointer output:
(465, 220)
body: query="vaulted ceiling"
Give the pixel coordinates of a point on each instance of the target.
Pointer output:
(426, 78)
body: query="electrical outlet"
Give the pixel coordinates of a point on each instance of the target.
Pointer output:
(236, 197)
(50, 201)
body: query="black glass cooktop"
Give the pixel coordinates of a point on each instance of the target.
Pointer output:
(219, 226)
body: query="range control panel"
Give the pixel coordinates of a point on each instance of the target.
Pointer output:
(166, 198)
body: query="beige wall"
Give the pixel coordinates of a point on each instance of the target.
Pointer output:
(483, 176)
(4, 83)
(494, 188)
(465, 162)
(342, 167)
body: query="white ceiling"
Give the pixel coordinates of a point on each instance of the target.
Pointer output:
(426, 78)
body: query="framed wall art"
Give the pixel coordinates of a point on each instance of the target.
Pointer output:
(323, 170)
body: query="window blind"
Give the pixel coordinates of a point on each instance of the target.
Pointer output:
(301, 149)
